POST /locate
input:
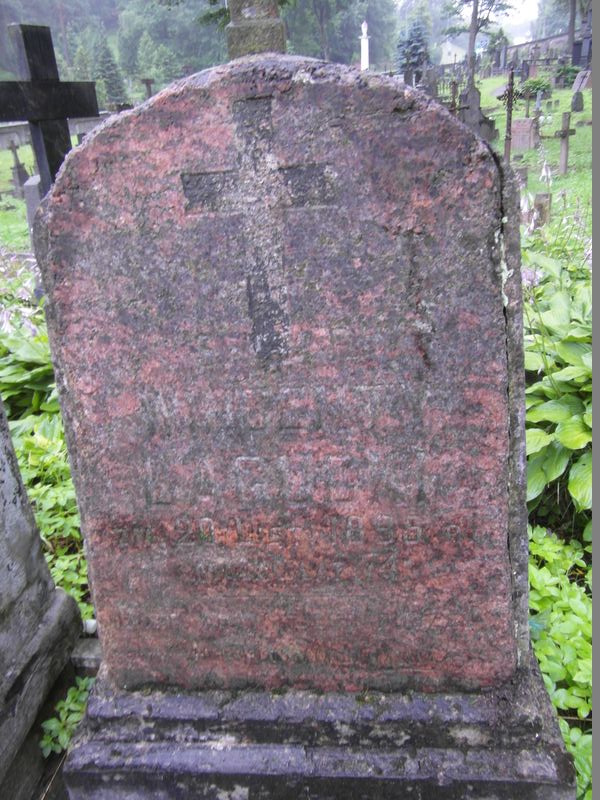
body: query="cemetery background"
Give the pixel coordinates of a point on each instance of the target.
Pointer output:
(556, 266)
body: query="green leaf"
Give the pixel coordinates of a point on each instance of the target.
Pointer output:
(577, 374)
(580, 482)
(558, 316)
(573, 352)
(573, 433)
(552, 266)
(555, 462)
(587, 418)
(556, 410)
(536, 477)
(537, 439)
(534, 362)
(587, 532)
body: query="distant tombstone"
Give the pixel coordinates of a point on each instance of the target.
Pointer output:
(577, 102)
(38, 628)
(583, 80)
(429, 82)
(503, 58)
(469, 112)
(33, 194)
(525, 134)
(538, 100)
(288, 346)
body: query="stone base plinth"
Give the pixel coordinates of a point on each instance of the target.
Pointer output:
(42, 662)
(258, 745)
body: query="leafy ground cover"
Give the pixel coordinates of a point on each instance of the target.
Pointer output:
(557, 321)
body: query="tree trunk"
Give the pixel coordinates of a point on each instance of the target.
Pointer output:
(472, 38)
(571, 28)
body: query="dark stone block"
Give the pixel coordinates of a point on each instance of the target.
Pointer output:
(503, 744)
(577, 102)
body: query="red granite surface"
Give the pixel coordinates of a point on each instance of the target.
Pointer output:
(275, 307)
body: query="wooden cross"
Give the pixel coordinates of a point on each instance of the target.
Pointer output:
(42, 100)
(564, 133)
(510, 96)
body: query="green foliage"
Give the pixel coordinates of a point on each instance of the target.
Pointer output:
(459, 12)
(29, 394)
(106, 70)
(534, 85)
(558, 361)
(558, 331)
(59, 730)
(561, 631)
(497, 39)
(568, 72)
(413, 47)
(145, 56)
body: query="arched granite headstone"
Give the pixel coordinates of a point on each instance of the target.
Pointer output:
(284, 310)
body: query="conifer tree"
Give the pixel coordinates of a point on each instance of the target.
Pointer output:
(413, 48)
(165, 64)
(108, 71)
(82, 64)
(145, 56)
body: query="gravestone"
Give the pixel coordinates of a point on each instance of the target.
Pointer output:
(577, 102)
(288, 346)
(525, 134)
(39, 625)
(469, 112)
(583, 80)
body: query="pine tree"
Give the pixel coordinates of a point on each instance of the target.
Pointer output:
(108, 71)
(413, 49)
(166, 68)
(82, 65)
(145, 56)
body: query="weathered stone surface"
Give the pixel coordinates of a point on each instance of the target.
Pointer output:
(255, 27)
(503, 744)
(469, 112)
(38, 623)
(292, 407)
(525, 134)
(577, 102)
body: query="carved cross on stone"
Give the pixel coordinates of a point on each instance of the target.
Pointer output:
(262, 217)
(40, 98)
(255, 27)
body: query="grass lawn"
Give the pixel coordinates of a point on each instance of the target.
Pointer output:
(572, 193)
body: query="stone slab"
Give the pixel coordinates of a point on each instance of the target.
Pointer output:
(292, 401)
(38, 623)
(502, 744)
(583, 80)
(525, 134)
(47, 652)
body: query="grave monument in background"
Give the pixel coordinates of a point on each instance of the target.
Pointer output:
(288, 349)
